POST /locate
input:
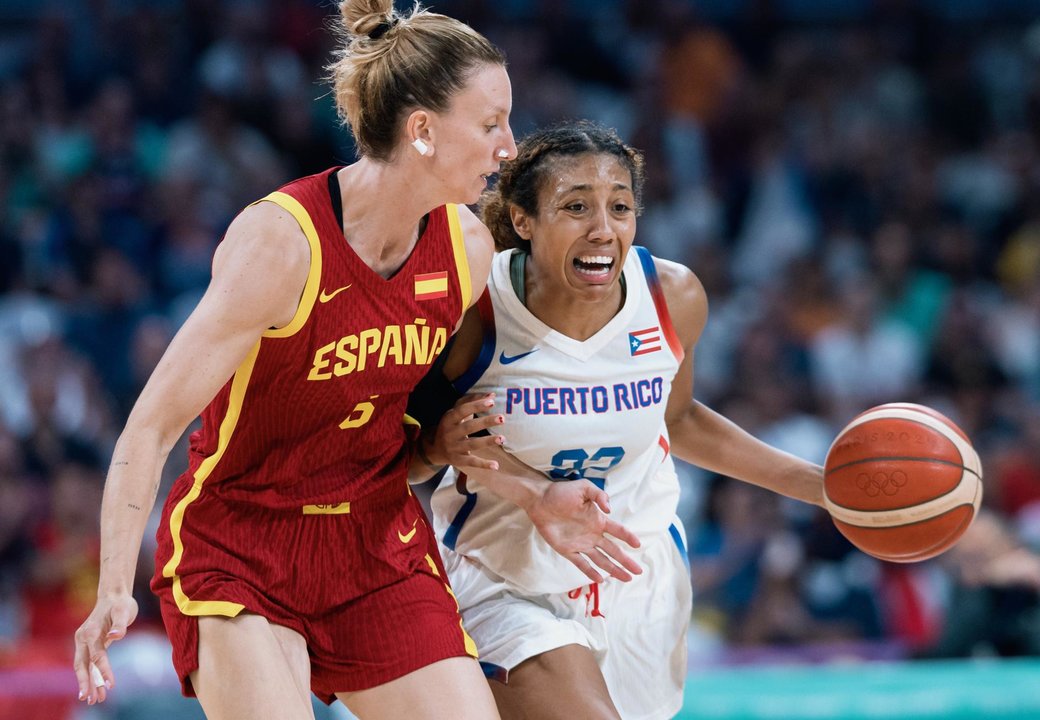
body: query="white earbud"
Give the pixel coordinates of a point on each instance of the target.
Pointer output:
(503, 154)
(421, 147)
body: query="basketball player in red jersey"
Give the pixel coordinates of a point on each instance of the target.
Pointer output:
(292, 556)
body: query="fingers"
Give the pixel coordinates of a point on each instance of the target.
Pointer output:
(115, 634)
(599, 497)
(99, 683)
(81, 666)
(478, 424)
(464, 427)
(585, 566)
(621, 532)
(617, 572)
(476, 452)
(93, 673)
(101, 669)
(472, 462)
(472, 404)
(122, 616)
(619, 556)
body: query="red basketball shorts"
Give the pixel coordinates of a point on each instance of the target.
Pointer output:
(361, 582)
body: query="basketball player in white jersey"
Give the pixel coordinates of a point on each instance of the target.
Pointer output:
(581, 358)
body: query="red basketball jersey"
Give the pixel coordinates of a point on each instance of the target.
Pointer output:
(316, 414)
(313, 420)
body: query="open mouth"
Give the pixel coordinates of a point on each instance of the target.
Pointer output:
(594, 267)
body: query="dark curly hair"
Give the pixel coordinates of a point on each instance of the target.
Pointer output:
(521, 179)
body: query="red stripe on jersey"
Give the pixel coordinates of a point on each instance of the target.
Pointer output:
(663, 442)
(660, 302)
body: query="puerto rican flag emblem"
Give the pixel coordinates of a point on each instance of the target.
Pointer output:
(646, 341)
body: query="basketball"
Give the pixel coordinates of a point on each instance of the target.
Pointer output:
(902, 482)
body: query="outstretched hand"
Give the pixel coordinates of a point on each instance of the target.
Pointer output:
(106, 624)
(571, 516)
(457, 441)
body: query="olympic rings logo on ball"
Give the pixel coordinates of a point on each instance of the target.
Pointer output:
(881, 482)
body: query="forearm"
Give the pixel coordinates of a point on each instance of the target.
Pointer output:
(130, 493)
(513, 481)
(707, 439)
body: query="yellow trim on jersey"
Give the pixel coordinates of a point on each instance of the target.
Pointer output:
(239, 383)
(342, 508)
(310, 290)
(458, 243)
(409, 420)
(471, 647)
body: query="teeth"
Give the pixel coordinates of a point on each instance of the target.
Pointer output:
(596, 259)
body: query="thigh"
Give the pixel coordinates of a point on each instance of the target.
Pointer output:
(508, 627)
(647, 622)
(564, 683)
(387, 634)
(454, 688)
(250, 668)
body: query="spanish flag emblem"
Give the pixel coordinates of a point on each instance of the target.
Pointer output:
(431, 286)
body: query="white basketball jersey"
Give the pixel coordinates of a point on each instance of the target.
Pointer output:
(591, 409)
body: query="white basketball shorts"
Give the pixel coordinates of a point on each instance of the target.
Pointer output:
(636, 630)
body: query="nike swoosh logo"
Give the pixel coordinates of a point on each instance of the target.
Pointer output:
(407, 537)
(325, 297)
(507, 359)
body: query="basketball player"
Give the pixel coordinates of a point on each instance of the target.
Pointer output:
(586, 343)
(292, 556)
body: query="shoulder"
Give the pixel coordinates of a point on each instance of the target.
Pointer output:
(264, 259)
(480, 249)
(686, 298)
(270, 232)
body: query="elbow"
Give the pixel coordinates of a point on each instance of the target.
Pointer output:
(145, 433)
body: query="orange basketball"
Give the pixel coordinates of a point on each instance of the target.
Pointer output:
(902, 482)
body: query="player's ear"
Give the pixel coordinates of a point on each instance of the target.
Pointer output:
(521, 222)
(419, 131)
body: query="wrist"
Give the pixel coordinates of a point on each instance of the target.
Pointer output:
(529, 492)
(114, 588)
(430, 459)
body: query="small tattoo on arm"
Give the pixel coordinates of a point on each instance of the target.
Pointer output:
(133, 507)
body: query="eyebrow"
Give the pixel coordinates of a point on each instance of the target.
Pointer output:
(587, 186)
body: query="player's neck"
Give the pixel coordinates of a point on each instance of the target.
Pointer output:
(382, 233)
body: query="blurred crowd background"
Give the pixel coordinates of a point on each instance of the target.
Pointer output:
(856, 183)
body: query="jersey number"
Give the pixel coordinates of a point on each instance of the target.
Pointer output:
(577, 464)
(360, 415)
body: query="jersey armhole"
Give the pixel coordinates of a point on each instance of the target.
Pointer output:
(310, 289)
(660, 302)
(458, 245)
(486, 311)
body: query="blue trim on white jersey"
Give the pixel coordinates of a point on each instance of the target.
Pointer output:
(673, 530)
(647, 261)
(487, 346)
(451, 536)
